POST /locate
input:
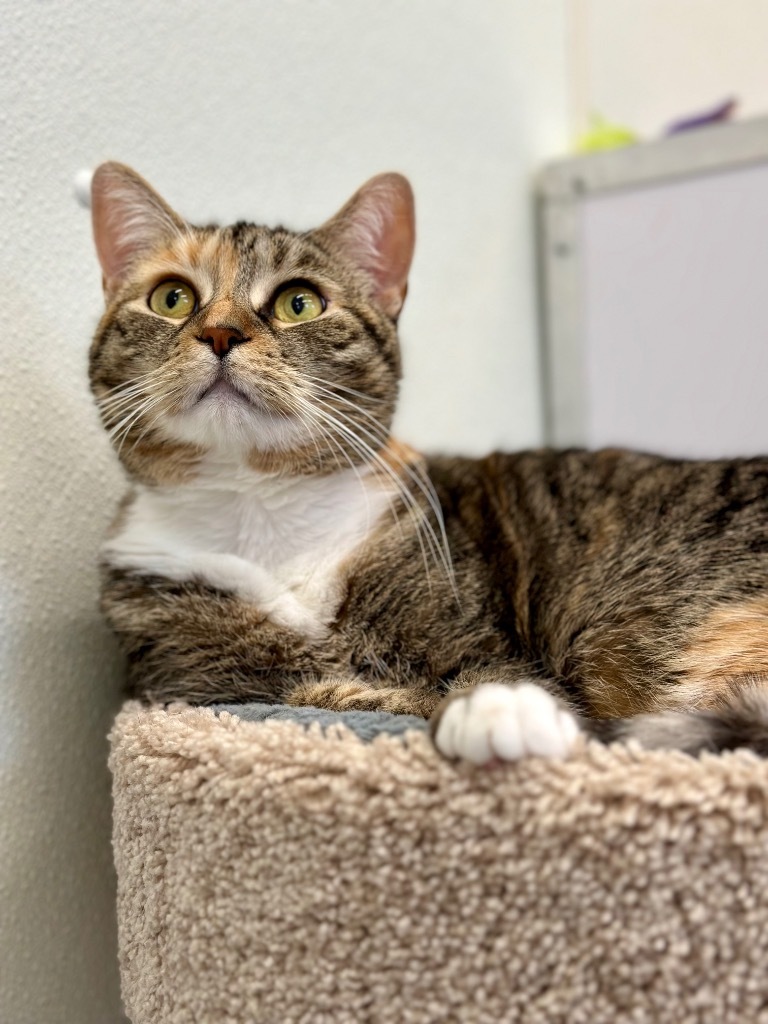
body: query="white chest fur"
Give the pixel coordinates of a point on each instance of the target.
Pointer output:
(277, 543)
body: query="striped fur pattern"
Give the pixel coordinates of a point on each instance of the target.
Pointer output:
(630, 590)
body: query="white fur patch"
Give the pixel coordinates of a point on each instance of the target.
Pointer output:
(228, 420)
(279, 544)
(496, 721)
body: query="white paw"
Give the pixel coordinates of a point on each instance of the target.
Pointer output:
(506, 722)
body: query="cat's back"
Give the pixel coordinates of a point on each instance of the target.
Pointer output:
(580, 504)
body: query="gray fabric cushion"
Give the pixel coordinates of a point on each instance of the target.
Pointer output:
(366, 724)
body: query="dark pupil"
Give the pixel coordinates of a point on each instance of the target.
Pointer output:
(297, 304)
(173, 297)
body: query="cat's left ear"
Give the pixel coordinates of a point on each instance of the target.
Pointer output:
(129, 220)
(376, 230)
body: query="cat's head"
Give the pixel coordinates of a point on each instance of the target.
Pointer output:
(276, 347)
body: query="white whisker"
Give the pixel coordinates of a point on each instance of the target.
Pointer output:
(133, 385)
(343, 387)
(301, 405)
(441, 554)
(420, 479)
(120, 431)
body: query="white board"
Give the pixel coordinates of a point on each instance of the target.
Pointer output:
(655, 295)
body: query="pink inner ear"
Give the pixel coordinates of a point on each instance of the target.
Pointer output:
(129, 218)
(377, 229)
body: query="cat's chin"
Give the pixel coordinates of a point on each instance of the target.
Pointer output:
(226, 418)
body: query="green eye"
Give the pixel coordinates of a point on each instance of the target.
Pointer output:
(175, 299)
(298, 303)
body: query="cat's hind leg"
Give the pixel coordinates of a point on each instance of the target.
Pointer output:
(739, 718)
(718, 695)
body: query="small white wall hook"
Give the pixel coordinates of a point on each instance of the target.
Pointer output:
(82, 187)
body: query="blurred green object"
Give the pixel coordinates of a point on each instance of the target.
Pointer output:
(604, 135)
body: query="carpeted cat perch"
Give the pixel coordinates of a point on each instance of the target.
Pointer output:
(271, 871)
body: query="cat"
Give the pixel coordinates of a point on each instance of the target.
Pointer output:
(278, 544)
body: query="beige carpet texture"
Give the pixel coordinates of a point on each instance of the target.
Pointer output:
(272, 873)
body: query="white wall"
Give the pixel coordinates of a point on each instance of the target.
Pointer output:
(270, 111)
(645, 63)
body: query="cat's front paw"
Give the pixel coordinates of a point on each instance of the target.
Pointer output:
(501, 722)
(344, 694)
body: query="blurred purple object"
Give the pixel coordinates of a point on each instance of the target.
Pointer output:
(722, 112)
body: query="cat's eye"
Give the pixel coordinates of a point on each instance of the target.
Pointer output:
(298, 303)
(175, 299)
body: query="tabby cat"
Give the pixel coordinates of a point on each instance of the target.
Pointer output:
(279, 545)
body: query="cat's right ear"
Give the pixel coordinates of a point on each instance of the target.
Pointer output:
(129, 220)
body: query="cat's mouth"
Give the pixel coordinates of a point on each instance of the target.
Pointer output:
(225, 390)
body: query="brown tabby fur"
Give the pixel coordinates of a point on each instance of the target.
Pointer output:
(627, 584)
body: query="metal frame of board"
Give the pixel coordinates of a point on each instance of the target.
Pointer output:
(560, 189)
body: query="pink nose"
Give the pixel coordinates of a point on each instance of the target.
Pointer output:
(221, 339)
